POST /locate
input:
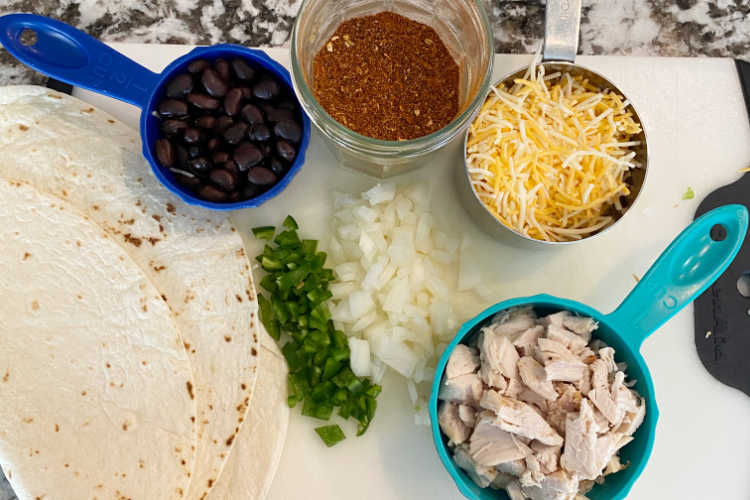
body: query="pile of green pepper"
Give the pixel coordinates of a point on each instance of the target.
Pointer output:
(317, 354)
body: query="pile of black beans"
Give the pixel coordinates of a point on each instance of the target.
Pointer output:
(230, 130)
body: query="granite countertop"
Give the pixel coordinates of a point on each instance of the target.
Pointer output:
(629, 27)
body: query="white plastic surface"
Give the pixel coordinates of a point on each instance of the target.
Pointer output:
(698, 136)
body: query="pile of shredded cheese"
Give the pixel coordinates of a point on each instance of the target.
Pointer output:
(551, 156)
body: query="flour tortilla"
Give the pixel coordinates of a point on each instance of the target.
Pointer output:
(255, 457)
(195, 257)
(94, 380)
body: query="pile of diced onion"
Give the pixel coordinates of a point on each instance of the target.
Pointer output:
(397, 290)
(551, 156)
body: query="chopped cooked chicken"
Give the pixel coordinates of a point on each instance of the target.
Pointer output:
(574, 342)
(557, 486)
(565, 368)
(467, 414)
(462, 389)
(535, 378)
(463, 360)
(490, 445)
(498, 352)
(580, 325)
(526, 341)
(541, 410)
(548, 456)
(512, 322)
(478, 473)
(519, 418)
(514, 491)
(450, 423)
(492, 378)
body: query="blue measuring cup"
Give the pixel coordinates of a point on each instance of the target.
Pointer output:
(69, 55)
(694, 260)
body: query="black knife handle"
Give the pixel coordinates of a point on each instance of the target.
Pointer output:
(743, 68)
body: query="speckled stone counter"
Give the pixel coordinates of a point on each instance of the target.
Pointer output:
(628, 27)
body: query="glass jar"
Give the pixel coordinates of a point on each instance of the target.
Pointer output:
(464, 28)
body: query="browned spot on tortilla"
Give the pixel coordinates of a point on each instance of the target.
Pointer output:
(138, 202)
(240, 252)
(203, 496)
(187, 346)
(88, 110)
(141, 463)
(153, 240)
(67, 465)
(79, 296)
(192, 419)
(210, 407)
(95, 207)
(241, 419)
(239, 297)
(111, 384)
(192, 352)
(233, 230)
(129, 238)
(23, 127)
(108, 365)
(57, 428)
(64, 192)
(129, 222)
(156, 217)
(110, 120)
(35, 305)
(222, 455)
(54, 96)
(253, 351)
(227, 338)
(28, 420)
(190, 389)
(189, 295)
(124, 426)
(243, 386)
(161, 228)
(230, 439)
(183, 462)
(26, 255)
(164, 297)
(170, 208)
(250, 295)
(144, 363)
(144, 307)
(78, 243)
(83, 393)
(159, 268)
(215, 442)
(6, 376)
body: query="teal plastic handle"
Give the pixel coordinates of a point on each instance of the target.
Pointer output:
(694, 260)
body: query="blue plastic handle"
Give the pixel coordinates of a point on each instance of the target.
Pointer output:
(694, 260)
(72, 56)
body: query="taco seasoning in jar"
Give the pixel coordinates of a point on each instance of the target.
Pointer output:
(387, 77)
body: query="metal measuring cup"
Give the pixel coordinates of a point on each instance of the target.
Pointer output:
(561, 28)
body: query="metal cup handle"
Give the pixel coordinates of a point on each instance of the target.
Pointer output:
(562, 22)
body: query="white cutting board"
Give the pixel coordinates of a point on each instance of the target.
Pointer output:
(698, 136)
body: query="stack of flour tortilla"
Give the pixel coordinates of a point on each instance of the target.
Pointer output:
(132, 361)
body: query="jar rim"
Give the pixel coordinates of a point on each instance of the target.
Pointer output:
(357, 141)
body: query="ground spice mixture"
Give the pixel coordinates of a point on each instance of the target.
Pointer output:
(387, 77)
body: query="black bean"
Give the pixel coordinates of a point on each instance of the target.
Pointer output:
(277, 166)
(202, 101)
(252, 114)
(247, 155)
(287, 105)
(197, 66)
(194, 151)
(231, 166)
(219, 157)
(232, 101)
(234, 197)
(251, 191)
(213, 83)
(212, 143)
(223, 178)
(206, 122)
(170, 108)
(266, 89)
(286, 151)
(171, 127)
(199, 166)
(164, 152)
(261, 176)
(288, 130)
(242, 70)
(222, 68)
(211, 193)
(181, 156)
(179, 86)
(192, 135)
(188, 181)
(223, 123)
(278, 114)
(266, 148)
(235, 133)
(260, 133)
(246, 92)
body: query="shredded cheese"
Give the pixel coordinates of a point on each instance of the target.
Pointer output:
(551, 156)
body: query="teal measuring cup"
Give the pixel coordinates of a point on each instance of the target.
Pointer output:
(691, 263)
